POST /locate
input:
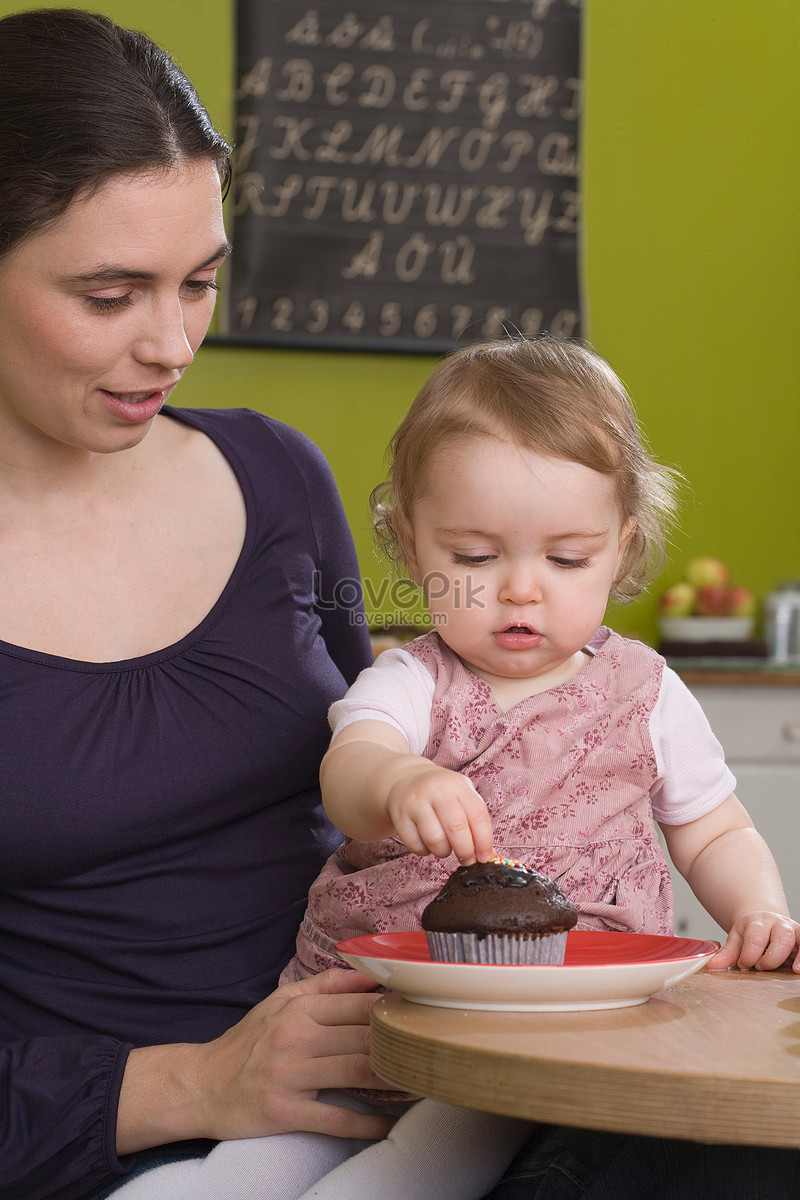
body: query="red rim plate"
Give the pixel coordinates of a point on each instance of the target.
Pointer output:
(585, 948)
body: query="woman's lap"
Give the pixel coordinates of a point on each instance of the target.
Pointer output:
(203, 1169)
(560, 1163)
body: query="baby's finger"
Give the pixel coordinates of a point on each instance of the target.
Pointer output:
(728, 955)
(755, 940)
(479, 823)
(456, 825)
(782, 943)
(411, 837)
(441, 835)
(482, 835)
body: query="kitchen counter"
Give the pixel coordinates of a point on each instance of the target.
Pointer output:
(737, 672)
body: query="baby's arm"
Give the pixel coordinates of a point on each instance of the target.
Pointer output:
(730, 869)
(374, 787)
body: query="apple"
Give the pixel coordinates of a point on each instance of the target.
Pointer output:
(741, 603)
(712, 600)
(678, 600)
(707, 572)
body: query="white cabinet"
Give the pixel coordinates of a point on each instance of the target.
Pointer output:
(758, 725)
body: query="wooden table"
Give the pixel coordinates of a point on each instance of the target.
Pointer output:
(715, 1058)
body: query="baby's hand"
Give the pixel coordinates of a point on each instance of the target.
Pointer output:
(764, 940)
(436, 811)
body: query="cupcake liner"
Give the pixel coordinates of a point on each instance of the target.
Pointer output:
(505, 949)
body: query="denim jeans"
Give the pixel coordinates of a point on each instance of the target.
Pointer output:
(559, 1163)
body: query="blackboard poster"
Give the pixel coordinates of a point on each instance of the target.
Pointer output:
(406, 174)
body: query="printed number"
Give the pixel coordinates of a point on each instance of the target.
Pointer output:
(354, 317)
(247, 311)
(283, 310)
(461, 317)
(563, 323)
(390, 320)
(320, 313)
(425, 321)
(531, 321)
(495, 322)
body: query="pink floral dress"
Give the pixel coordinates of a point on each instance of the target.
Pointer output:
(566, 775)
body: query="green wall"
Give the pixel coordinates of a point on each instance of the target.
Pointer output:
(691, 265)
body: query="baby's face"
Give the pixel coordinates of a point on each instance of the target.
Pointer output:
(517, 554)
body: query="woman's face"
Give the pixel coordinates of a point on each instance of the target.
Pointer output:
(101, 313)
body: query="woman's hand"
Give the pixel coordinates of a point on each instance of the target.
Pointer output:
(764, 940)
(436, 811)
(261, 1076)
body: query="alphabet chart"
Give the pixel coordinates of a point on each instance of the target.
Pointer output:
(406, 175)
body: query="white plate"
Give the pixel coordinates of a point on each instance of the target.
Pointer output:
(600, 970)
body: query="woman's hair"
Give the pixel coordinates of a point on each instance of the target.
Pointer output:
(556, 398)
(82, 100)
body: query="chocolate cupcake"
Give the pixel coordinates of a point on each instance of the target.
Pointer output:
(498, 912)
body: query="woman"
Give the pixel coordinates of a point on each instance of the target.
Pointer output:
(165, 673)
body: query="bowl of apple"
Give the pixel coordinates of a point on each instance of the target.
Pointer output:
(705, 606)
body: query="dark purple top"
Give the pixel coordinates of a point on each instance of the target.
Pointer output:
(161, 820)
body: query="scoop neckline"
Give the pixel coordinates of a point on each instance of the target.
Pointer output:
(563, 686)
(59, 662)
(596, 643)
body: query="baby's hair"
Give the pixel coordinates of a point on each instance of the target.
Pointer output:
(556, 398)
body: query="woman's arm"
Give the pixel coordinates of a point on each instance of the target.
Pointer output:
(73, 1106)
(730, 869)
(55, 1136)
(374, 787)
